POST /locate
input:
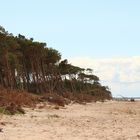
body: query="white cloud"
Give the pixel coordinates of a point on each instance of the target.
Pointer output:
(122, 69)
(113, 70)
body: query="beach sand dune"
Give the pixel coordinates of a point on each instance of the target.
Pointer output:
(110, 120)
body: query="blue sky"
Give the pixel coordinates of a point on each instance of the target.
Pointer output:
(94, 29)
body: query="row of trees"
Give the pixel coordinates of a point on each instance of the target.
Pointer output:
(29, 65)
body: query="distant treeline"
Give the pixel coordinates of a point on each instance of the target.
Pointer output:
(29, 65)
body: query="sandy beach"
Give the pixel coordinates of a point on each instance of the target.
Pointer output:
(110, 120)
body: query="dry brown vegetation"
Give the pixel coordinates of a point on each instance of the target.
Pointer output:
(12, 101)
(17, 97)
(68, 97)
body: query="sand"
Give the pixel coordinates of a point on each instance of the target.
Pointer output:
(112, 120)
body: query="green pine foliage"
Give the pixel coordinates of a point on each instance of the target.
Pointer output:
(29, 65)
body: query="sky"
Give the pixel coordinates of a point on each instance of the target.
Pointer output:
(101, 34)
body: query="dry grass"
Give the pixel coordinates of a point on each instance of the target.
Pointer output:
(66, 98)
(21, 98)
(54, 98)
(12, 101)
